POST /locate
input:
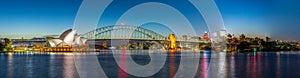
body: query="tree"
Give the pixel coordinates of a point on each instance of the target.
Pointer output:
(1, 47)
(229, 36)
(244, 45)
(242, 36)
(8, 44)
(268, 39)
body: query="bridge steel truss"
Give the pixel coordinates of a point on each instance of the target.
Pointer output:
(123, 32)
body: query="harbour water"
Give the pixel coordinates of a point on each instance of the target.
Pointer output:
(239, 65)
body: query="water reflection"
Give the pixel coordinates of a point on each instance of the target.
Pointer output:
(204, 65)
(29, 66)
(172, 65)
(230, 67)
(278, 68)
(69, 69)
(259, 63)
(52, 65)
(238, 65)
(253, 66)
(10, 66)
(123, 64)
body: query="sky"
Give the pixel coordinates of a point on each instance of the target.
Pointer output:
(279, 19)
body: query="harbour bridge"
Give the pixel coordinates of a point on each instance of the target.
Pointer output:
(124, 32)
(135, 33)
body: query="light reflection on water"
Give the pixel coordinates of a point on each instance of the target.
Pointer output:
(10, 68)
(69, 67)
(123, 64)
(240, 65)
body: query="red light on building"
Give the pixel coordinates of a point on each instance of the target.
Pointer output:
(205, 36)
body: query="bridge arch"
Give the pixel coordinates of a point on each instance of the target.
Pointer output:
(123, 32)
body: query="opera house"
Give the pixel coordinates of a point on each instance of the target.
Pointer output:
(66, 42)
(69, 38)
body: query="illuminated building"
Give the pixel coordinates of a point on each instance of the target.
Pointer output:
(196, 38)
(222, 33)
(184, 37)
(67, 38)
(205, 37)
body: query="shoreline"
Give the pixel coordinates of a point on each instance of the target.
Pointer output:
(169, 51)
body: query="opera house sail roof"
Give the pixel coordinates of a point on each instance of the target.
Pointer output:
(67, 38)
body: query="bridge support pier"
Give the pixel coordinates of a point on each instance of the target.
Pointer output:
(104, 44)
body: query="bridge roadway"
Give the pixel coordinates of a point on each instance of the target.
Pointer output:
(162, 42)
(152, 40)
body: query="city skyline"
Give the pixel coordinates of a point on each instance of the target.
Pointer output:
(149, 38)
(250, 17)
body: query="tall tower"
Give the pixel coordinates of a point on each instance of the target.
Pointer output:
(172, 44)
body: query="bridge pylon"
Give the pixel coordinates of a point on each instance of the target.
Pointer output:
(172, 42)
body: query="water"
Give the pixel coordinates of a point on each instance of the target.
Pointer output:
(240, 65)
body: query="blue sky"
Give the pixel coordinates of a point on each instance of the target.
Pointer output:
(279, 19)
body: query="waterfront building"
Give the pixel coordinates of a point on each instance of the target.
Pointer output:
(184, 37)
(67, 38)
(205, 37)
(196, 38)
(187, 38)
(38, 39)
